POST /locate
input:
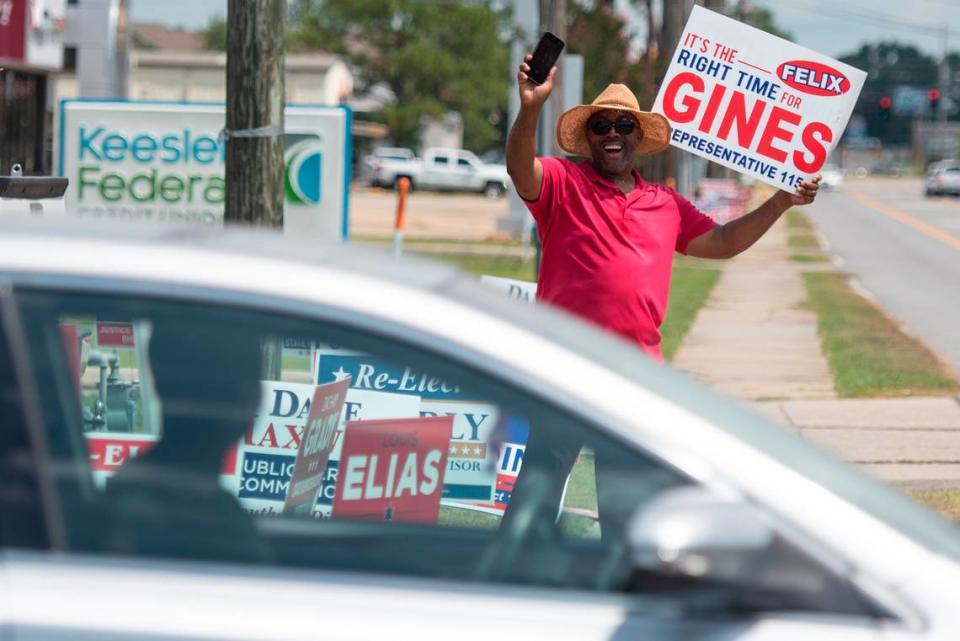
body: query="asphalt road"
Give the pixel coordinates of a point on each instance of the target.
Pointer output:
(904, 249)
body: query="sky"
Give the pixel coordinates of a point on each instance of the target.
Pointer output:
(831, 27)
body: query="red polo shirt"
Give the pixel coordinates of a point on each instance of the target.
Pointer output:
(607, 255)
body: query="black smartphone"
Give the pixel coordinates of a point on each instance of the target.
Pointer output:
(544, 57)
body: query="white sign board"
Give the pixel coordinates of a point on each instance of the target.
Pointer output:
(162, 162)
(520, 290)
(753, 102)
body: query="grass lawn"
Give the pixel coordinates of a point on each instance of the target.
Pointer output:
(692, 281)
(505, 265)
(868, 353)
(946, 502)
(691, 284)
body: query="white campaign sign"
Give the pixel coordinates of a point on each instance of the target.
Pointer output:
(267, 455)
(753, 102)
(162, 162)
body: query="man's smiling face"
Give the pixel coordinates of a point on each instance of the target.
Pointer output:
(613, 152)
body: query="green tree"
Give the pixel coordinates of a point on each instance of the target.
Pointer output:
(215, 34)
(889, 65)
(602, 38)
(435, 56)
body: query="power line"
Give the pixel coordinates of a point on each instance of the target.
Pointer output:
(872, 18)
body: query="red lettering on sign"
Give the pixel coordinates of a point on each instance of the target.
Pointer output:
(692, 104)
(814, 145)
(773, 131)
(746, 125)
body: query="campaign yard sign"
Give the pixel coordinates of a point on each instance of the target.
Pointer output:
(269, 449)
(392, 470)
(753, 102)
(319, 437)
(115, 334)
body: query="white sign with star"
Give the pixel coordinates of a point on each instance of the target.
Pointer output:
(472, 459)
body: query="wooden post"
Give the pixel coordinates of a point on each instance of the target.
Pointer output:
(256, 33)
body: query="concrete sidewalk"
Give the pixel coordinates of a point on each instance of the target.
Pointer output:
(754, 340)
(910, 442)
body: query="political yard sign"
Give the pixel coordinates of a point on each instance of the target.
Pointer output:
(392, 470)
(319, 438)
(753, 102)
(165, 162)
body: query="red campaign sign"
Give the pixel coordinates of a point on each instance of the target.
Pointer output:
(13, 29)
(115, 334)
(319, 437)
(392, 470)
(108, 452)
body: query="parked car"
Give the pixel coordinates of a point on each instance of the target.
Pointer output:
(444, 169)
(424, 433)
(942, 178)
(372, 161)
(832, 177)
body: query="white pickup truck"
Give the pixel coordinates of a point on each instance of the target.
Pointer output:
(443, 169)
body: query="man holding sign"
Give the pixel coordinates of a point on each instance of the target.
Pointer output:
(609, 236)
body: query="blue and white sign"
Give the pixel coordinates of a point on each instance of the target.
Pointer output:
(376, 374)
(164, 162)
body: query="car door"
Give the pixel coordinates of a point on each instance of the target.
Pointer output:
(350, 483)
(436, 171)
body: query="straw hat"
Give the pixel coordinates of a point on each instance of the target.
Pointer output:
(572, 125)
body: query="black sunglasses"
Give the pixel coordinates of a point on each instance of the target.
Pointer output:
(602, 126)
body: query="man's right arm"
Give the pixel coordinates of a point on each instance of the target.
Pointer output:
(522, 163)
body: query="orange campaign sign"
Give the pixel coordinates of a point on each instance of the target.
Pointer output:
(392, 470)
(319, 438)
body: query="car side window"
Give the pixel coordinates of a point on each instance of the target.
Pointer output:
(189, 431)
(440, 160)
(21, 520)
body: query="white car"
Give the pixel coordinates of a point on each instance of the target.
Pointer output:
(424, 492)
(942, 178)
(832, 177)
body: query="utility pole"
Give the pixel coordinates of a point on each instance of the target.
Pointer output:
(675, 14)
(553, 18)
(256, 33)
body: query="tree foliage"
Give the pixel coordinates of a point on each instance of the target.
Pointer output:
(215, 34)
(889, 65)
(435, 56)
(602, 38)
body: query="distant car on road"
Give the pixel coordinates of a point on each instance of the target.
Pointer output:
(373, 160)
(832, 177)
(443, 169)
(943, 178)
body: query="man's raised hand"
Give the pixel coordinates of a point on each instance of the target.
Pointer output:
(532, 94)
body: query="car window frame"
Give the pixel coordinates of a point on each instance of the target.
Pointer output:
(349, 321)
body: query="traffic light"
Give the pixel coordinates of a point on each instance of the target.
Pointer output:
(884, 108)
(933, 97)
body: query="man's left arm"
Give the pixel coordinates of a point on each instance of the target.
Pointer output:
(728, 240)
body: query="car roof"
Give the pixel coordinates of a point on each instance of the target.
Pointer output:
(83, 247)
